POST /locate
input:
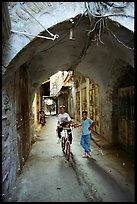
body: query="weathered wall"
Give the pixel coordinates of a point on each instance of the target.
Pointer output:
(6, 23)
(16, 128)
(87, 98)
(10, 159)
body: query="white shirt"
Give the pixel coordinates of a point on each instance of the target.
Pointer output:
(62, 117)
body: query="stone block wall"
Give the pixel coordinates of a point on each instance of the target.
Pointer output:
(10, 162)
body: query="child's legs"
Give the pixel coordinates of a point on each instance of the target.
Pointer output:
(82, 142)
(85, 142)
(59, 130)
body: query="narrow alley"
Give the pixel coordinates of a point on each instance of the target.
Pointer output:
(82, 60)
(48, 177)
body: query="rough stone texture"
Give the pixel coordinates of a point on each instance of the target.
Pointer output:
(22, 14)
(12, 139)
(9, 143)
(6, 23)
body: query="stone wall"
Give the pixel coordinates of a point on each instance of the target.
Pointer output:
(10, 160)
(122, 75)
(6, 23)
(17, 129)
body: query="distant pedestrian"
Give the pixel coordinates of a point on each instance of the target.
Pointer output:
(42, 118)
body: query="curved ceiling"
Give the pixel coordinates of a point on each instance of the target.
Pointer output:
(44, 58)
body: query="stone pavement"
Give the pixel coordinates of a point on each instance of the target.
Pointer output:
(47, 177)
(100, 141)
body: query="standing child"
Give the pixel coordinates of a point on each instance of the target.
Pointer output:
(86, 124)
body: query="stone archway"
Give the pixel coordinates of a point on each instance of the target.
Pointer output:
(42, 59)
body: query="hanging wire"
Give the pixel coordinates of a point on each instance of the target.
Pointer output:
(103, 18)
(98, 7)
(54, 36)
(39, 36)
(67, 33)
(37, 20)
(120, 41)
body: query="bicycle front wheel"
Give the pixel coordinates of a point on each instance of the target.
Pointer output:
(68, 151)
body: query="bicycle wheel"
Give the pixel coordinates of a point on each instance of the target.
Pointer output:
(68, 150)
(63, 143)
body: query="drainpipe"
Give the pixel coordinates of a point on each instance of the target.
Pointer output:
(80, 87)
(87, 93)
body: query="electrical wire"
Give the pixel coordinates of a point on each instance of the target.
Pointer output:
(37, 20)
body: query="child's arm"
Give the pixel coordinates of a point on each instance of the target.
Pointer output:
(92, 125)
(77, 125)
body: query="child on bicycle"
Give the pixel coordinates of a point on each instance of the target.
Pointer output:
(64, 120)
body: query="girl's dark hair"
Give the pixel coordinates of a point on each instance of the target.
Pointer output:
(84, 111)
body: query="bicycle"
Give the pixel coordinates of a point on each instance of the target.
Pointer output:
(65, 143)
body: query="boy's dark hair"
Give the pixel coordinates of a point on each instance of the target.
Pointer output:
(84, 111)
(62, 106)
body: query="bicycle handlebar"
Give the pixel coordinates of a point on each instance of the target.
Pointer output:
(65, 128)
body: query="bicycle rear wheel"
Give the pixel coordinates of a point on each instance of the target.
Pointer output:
(68, 150)
(63, 143)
